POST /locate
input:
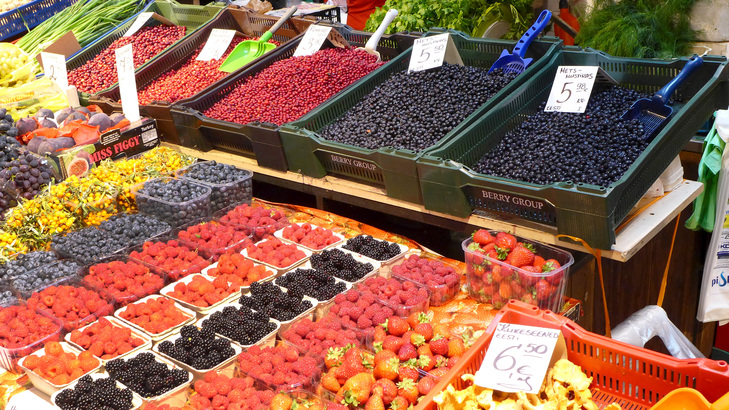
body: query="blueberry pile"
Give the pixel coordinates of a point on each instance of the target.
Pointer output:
(242, 325)
(595, 147)
(415, 110)
(145, 375)
(230, 185)
(7, 297)
(175, 201)
(25, 262)
(27, 174)
(134, 228)
(274, 302)
(45, 275)
(372, 248)
(95, 394)
(198, 348)
(313, 283)
(340, 264)
(88, 244)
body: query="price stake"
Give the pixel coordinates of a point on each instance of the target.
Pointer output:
(138, 23)
(217, 43)
(571, 88)
(54, 66)
(312, 40)
(431, 52)
(517, 358)
(127, 82)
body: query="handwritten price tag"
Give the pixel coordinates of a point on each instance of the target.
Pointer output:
(571, 88)
(138, 23)
(517, 359)
(54, 66)
(127, 82)
(428, 52)
(312, 40)
(217, 43)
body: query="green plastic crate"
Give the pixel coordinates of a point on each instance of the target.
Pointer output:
(587, 211)
(395, 169)
(192, 17)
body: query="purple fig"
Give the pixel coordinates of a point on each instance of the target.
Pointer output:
(26, 125)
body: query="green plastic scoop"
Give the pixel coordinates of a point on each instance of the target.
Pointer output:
(249, 50)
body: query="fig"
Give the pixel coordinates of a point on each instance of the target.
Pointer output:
(44, 112)
(78, 167)
(26, 125)
(102, 120)
(47, 122)
(35, 143)
(83, 110)
(75, 116)
(63, 114)
(116, 118)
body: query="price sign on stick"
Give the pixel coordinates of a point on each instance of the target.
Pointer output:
(312, 40)
(217, 43)
(431, 52)
(138, 23)
(54, 66)
(127, 82)
(571, 88)
(517, 358)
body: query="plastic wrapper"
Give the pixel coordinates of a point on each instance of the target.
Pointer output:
(25, 100)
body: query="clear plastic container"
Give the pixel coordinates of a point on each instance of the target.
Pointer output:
(493, 281)
(146, 345)
(212, 252)
(200, 311)
(190, 318)
(174, 213)
(357, 257)
(308, 313)
(12, 298)
(280, 269)
(25, 293)
(236, 192)
(402, 247)
(137, 401)
(238, 216)
(171, 275)
(280, 235)
(402, 309)
(44, 385)
(11, 268)
(267, 340)
(175, 397)
(9, 356)
(163, 229)
(272, 274)
(439, 294)
(120, 246)
(310, 343)
(326, 309)
(226, 367)
(92, 213)
(121, 299)
(309, 382)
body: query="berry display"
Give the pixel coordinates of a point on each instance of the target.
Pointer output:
(372, 248)
(175, 201)
(174, 259)
(75, 305)
(317, 337)
(401, 295)
(302, 400)
(21, 325)
(219, 391)
(146, 375)
(59, 366)
(7, 297)
(312, 237)
(7, 201)
(595, 147)
(414, 110)
(240, 324)
(135, 228)
(274, 252)
(257, 220)
(442, 279)
(254, 99)
(88, 244)
(360, 311)
(155, 315)
(313, 283)
(283, 366)
(25, 262)
(27, 174)
(230, 185)
(203, 292)
(102, 393)
(106, 340)
(9, 145)
(214, 239)
(126, 281)
(237, 266)
(275, 302)
(341, 265)
(45, 275)
(197, 348)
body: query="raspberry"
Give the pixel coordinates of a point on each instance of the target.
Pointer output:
(205, 389)
(222, 385)
(220, 403)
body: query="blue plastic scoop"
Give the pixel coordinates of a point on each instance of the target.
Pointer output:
(515, 62)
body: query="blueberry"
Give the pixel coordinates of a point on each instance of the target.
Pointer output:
(175, 201)
(229, 185)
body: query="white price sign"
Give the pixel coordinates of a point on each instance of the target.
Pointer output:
(312, 40)
(217, 43)
(428, 52)
(54, 65)
(127, 82)
(138, 23)
(517, 358)
(571, 88)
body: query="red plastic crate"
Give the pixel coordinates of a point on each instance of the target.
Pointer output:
(633, 377)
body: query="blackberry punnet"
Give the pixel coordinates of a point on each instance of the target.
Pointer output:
(240, 324)
(595, 147)
(145, 375)
(273, 301)
(372, 248)
(95, 394)
(415, 110)
(27, 175)
(198, 348)
(135, 228)
(313, 283)
(340, 264)
(25, 262)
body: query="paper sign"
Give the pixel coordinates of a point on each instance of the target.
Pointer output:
(54, 65)
(312, 40)
(138, 23)
(571, 88)
(517, 358)
(127, 82)
(217, 43)
(431, 52)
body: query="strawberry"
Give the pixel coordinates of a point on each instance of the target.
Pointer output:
(399, 403)
(383, 356)
(380, 334)
(408, 371)
(408, 389)
(352, 363)
(505, 240)
(397, 326)
(426, 362)
(407, 352)
(357, 389)
(424, 349)
(375, 402)
(483, 237)
(438, 372)
(555, 278)
(425, 385)
(329, 381)
(520, 256)
(528, 298)
(333, 357)
(416, 318)
(505, 290)
(439, 345)
(497, 301)
(387, 369)
(538, 262)
(392, 343)
(527, 275)
(456, 347)
(386, 388)
(517, 289)
(417, 339)
(281, 401)
(544, 290)
(424, 329)
(550, 265)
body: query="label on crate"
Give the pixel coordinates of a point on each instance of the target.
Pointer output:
(138, 23)
(312, 40)
(517, 358)
(54, 65)
(571, 88)
(433, 51)
(339, 162)
(217, 43)
(507, 203)
(127, 82)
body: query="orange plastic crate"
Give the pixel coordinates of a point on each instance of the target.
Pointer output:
(633, 377)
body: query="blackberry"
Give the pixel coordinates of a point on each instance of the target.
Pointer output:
(273, 301)
(372, 248)
(175, 201)
(311, 282)
(95, 394)
(202, 352)
(340, 264)
(134, 228)
(241, 325)
(145, 375)
(222, 178)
